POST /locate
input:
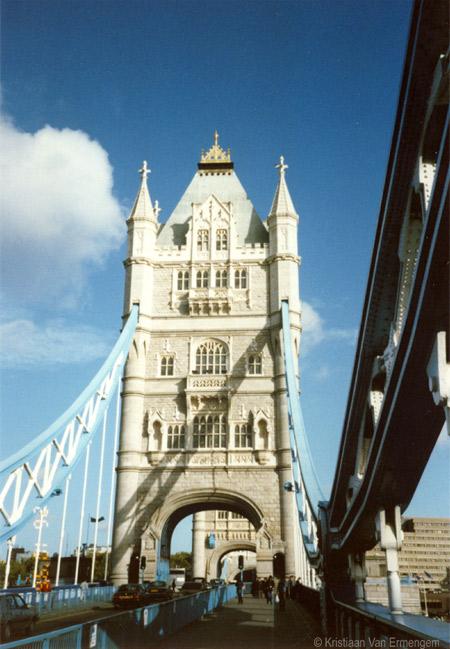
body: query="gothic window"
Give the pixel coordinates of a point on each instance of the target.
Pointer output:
(240, 278)
(235, 515)
(175, 437)
(183, 280)
(255, 364)
(222, 514)
(202, 279)
(203, 240)
(210, 431)
(222, 240)
(242, 436)
(221, 278)
(211, 358)
(167, 365)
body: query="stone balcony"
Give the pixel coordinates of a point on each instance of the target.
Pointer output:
(207, 383)
(209, 301)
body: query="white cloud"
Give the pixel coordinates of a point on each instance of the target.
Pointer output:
(316, 332)
(58, 213)
(24, 344)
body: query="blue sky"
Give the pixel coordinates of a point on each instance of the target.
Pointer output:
(90, 89)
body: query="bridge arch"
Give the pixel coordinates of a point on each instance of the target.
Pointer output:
(179, 505)
(157, 533)
(226, 548)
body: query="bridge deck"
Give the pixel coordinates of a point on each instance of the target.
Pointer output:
(251, 625)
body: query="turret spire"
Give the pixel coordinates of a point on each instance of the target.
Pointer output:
(282, 202)
(143, 208)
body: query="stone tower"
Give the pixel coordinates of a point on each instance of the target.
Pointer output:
(204, 411)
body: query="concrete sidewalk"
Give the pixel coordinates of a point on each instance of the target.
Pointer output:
(251, 625)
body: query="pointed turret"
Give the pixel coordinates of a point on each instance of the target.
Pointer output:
(283, 247)
(282, 202)
(143, 208)
(142, 228)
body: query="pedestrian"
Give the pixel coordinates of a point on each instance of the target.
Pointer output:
(297, 589)
(261, 588)
(84, 588)
(174, 585)
(268, 590)
(290, 588)
(281, 592)
(239, 591)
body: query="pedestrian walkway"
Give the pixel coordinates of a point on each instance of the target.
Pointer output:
(251, 625)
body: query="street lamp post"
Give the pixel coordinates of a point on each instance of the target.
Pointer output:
(10, 543)
(38, 524)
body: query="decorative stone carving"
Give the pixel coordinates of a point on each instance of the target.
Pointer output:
(155, 457)
(263, 457)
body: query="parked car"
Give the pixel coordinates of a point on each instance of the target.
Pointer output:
(215, 583)
(129, 596)
(157, 591)
(16, 616)
(202, 581)
(194, 586)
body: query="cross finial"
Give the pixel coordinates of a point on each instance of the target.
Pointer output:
(281, 166)
(216, 138)
(144, 170)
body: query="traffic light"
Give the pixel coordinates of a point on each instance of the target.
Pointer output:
(241, 562)
(133, 569)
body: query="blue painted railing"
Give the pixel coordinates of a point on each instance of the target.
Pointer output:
(62, 597)
(136, 628)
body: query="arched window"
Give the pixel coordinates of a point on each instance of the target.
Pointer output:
(222, 240)
(211, 358)
(175, 437)
(242, 436)
(183, 280)
(202, 279)
(221, 278)
(167, 365)
(255, 364)
(210, 431)
(240, 278)
(203, 240)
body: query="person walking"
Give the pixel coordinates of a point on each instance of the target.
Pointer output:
(84, 589)
(239, 591)
(268, 590)
(281, 592)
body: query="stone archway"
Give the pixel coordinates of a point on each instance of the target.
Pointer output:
(226, 548)
(179, 505)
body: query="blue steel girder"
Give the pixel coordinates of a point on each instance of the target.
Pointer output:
(31, 476)
(409, 422)
(307, 489)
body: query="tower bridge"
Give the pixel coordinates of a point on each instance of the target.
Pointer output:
(210, 416)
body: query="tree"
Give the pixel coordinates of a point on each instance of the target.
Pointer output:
(24, 568)
(181, 560)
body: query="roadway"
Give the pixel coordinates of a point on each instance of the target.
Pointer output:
(251, 625)
(59, 619)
